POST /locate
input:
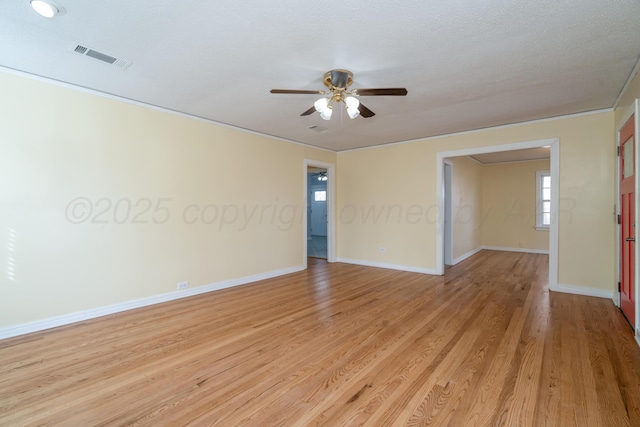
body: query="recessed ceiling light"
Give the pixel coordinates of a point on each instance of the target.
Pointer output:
(45, 8)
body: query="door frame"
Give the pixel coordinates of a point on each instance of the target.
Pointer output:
(448, 213)
(554, 143)
(633, 109)
(331, 184)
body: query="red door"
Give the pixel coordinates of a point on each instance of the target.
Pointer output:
(627, 221)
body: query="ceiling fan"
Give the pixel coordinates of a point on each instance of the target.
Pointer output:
(338, 82)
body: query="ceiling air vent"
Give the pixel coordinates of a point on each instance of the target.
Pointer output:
(100, 56)
(318, 129)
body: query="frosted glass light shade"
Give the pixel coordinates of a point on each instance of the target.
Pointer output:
(321, 104)
(326, 113)
(352, 102)
(352, 106)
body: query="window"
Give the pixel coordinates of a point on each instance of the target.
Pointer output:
(320, 196)
(543, 202)
(627, 158)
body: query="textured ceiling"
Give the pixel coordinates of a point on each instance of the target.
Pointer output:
(466, 64)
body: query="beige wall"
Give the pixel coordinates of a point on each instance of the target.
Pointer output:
(386, 208)
(509, 206)
(586, 191)
(466, 209)
(78, 170)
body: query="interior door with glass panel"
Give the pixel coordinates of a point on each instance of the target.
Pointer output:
(319, 210)
(627, 221)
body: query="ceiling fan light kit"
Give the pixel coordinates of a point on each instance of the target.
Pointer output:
(352, 104)
(324, 107)
(338, 82)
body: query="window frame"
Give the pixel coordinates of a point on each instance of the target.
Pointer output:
(540, 225)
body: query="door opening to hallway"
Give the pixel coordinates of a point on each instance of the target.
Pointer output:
(317, 212)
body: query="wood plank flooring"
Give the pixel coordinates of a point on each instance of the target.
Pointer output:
(340, 345)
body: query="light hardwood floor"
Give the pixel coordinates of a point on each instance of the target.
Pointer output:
(343, 345)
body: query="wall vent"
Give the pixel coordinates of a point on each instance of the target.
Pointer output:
(100, 56)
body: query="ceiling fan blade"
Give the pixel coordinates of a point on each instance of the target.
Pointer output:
(309, 111)
(298, 92)
(365, 112)
(391, 91)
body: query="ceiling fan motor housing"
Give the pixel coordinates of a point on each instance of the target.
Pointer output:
(338, 79)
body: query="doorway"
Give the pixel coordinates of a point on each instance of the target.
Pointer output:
(321, 212)
(317, 212)
(554, 145)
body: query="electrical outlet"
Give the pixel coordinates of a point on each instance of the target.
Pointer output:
(183, 285)
(381, 249)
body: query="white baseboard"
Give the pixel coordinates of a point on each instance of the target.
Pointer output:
(388, 266)
(581, 290)
(66, 319)
(528, 251)
(467, 255)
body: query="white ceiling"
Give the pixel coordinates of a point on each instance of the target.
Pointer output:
(466, 64)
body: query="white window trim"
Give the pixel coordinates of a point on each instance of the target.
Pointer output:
(539, 225)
